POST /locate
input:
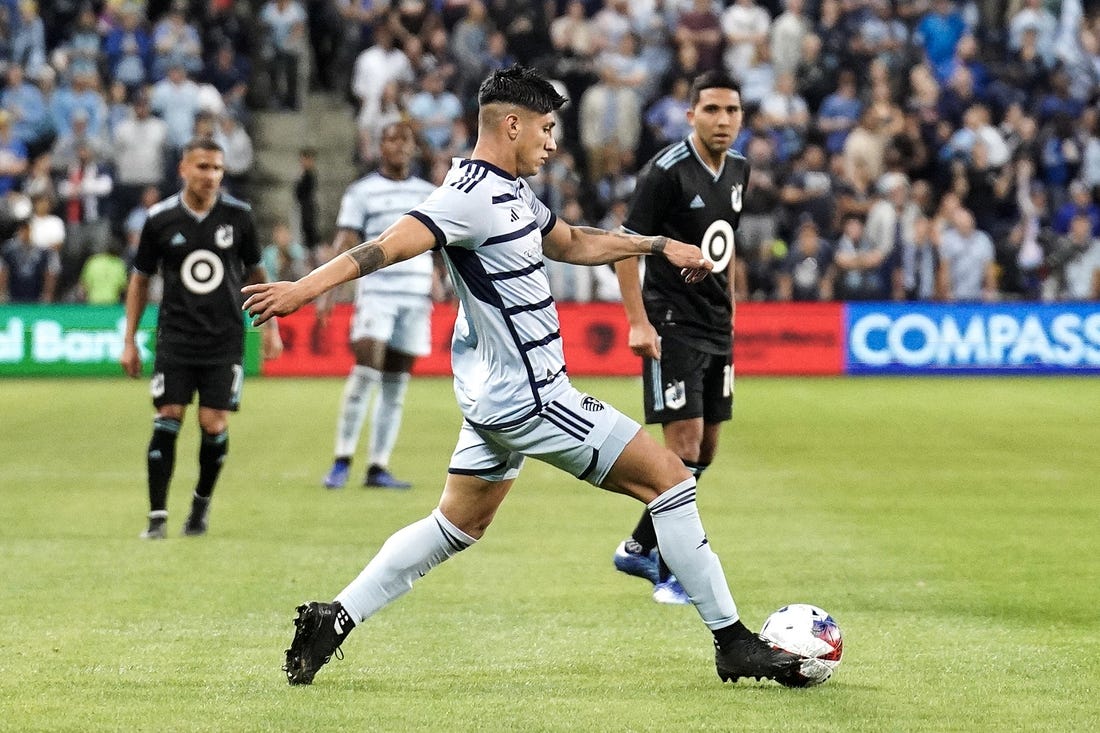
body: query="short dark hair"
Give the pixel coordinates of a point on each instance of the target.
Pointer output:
(713, 79)
(203, 142)
(521, 86)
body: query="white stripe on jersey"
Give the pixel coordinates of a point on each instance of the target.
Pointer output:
(506, 354)
(370, 206)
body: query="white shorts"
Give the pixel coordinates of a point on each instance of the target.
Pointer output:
(403, 322)
(576, 433)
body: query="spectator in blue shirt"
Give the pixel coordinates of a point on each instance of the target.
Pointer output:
(128, 49)
(1080, 203)
(839, 112)
(31, 120)
(939, 32)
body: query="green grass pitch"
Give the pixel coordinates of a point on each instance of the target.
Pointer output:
(951, 526)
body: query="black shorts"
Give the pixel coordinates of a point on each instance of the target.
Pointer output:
(218, 385)
(686, 384)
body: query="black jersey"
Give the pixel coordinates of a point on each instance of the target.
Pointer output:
(679, 196)
(204, 262)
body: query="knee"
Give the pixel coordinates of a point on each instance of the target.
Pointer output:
(214, 425)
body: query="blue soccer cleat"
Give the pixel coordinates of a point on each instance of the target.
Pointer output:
(630, 559)
(671, 593)
(379, 478)
(337, 476)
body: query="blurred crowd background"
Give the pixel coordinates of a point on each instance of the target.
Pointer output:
(900, 149)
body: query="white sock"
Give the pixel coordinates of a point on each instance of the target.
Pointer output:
(358, 390)
(407, 555)
(683, 545)
(386, 420)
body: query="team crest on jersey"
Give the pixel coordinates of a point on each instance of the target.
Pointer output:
(591, 404)
(735, 196)
(223, 236)
(675, 395)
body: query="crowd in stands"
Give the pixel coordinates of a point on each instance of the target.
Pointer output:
(900, 149)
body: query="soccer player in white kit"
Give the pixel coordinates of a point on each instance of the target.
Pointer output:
(511, 384)
(392, 322)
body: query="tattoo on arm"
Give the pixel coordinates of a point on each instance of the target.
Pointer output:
(656, 244)
(368, 257)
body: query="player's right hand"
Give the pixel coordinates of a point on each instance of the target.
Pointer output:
(644, 341)
(131, 361)
(267, 300)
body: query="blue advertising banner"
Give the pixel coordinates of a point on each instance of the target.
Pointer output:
(933, 338)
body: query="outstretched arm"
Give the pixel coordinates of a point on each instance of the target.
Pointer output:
(406, 238)
(590, 246)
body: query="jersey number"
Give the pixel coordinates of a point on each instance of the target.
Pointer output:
(717, 244)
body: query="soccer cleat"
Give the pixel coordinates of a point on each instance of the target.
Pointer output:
(318, 632)
(157, 529)
(380, 478)
(750, 656)
(671, 593)
(630, 559)
(337, 476)
(195, 525)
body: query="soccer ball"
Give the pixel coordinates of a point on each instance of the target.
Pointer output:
(812, 634)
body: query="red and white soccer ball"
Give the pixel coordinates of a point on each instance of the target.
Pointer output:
(812, 634)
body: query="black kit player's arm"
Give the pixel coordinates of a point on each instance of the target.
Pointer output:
(137, 297)
(647, 208)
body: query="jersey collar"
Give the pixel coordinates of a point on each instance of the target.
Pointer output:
(707, 168)
(486, 164)
(194, 214)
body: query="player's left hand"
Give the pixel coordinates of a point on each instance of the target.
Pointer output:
(267, 300)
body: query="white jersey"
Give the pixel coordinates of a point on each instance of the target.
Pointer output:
(370, 206)
(506, 353)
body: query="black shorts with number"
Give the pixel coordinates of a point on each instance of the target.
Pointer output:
(218, 385)
(687, 383)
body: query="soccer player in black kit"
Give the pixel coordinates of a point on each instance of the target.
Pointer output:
(690, 191)
(204, 245)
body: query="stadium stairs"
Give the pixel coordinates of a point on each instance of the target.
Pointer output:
(325, 123)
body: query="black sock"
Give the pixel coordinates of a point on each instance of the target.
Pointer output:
(212, 450)
(343, 461)
(724, 636)
(161, 460)
(644, 534)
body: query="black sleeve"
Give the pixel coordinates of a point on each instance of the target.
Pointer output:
(147, 256)
(650, 201)
(250, 245)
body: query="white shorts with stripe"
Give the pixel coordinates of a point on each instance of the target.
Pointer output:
(576, 432)
(404, 322)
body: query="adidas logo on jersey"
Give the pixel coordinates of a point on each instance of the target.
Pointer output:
(697, 202)
(179, 239)
(513, 216)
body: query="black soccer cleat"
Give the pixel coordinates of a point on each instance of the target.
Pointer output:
(750, 656)
(195, 526)
(318, 632)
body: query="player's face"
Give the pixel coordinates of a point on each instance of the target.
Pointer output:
(535, 142)
(202, 171)
(716, 119)
(397, 147)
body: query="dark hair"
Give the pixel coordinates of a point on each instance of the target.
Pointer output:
(202, 143)
(521, 86)
(712, 79)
